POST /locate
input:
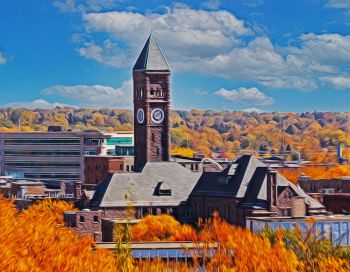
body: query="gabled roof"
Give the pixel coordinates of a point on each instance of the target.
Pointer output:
(151, 57)
(140, 187)
(248, 184)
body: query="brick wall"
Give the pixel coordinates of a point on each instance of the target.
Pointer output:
(314, 186)
(204, 206)
(85, 222)
(337, 203)
(98, 168)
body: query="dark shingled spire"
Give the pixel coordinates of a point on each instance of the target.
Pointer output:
(151, 57)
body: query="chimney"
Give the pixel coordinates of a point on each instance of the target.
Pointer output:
(298, 207)
(78, 190)
(62, 188)
(271, 189)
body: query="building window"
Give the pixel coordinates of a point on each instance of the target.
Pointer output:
(157, 151)
(96, 219)
(127, 168)
(81, 219)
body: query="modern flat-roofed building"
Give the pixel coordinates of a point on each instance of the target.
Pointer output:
(52, 155)
(122, 139)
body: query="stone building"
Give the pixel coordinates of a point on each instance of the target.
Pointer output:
(240, 188)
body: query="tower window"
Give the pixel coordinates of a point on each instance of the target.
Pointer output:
(81, 219)
(152, 92)
(153, 137)
(157, 151)
(96, 219)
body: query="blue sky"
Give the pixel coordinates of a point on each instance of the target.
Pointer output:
(291, 55)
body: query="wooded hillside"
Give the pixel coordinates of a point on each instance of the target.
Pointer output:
(207, 131)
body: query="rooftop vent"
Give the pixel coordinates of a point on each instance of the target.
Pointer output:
(55, 128)
(223, 179)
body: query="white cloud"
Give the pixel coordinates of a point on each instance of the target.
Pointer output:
(83, 5)
(200, 92)
(109, 53)
(253, 110)
(251, 96)
(96, 96)
(36, 104)
(183, 31)
(253, 3)
(212, 42)
(338, 81)
(338, 3)
(212, 4)
(3, 60)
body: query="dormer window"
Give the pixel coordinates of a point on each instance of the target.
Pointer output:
(162, 189)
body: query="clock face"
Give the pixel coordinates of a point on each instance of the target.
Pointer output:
(140, 116)
(157, 115)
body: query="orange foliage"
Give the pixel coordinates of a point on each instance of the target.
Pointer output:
(35, 240)
(333, 264)
(316, 172)
(154, 228)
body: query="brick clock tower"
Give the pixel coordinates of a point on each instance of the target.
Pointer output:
(151, 75)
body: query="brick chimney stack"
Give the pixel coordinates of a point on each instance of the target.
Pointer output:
(78, 190)
(271, 189)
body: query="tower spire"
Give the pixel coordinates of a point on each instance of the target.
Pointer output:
(151, 75)
(151, 57)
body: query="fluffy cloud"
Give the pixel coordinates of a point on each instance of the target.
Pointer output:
(214, 42)
(96, 96)
(36, 104)
(338, 81)
(251, 96)
(183, 31)
(83, 5)
(200, 92)
(109, 53)
(253, 3)
(252, 110)
(338, 3)
(212, 4)
(3, 60)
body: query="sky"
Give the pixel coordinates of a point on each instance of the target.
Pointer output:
(262, 55)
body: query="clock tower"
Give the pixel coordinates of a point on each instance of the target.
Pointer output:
(151, 75)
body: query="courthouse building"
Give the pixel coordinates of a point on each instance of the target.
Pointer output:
(246, 187)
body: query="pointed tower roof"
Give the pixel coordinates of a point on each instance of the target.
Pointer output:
(151, 57)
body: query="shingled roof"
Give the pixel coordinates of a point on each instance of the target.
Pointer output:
(151, 57)
(247, 181)
(141, 187)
